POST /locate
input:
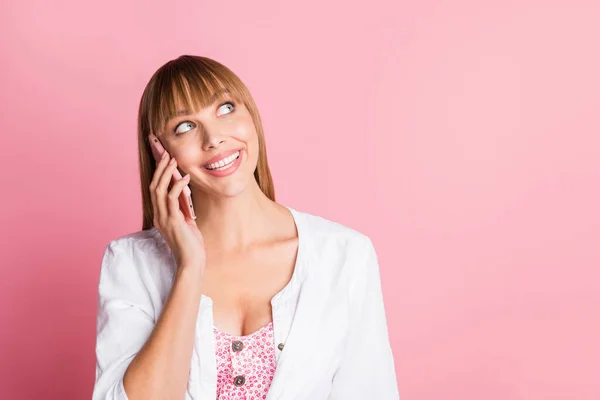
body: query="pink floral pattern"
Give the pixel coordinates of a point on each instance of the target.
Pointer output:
(245, 374)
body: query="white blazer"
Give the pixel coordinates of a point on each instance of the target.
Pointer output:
(330, 329)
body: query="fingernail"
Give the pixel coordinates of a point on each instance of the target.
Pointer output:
(172, 161)
(164, 155)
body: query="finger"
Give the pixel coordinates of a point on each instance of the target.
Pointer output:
(164, 182)
(175, 194)
(162, 187)
(160, 166)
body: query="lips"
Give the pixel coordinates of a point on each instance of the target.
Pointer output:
(221, 156)
(227, 170)
(226, 162)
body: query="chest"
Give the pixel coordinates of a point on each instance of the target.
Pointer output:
(242, 284)
(310, 320)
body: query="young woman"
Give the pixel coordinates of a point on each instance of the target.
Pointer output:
(251, 299)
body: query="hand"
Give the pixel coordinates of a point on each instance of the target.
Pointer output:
(179, 231)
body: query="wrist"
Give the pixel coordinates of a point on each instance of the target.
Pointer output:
(190, 272)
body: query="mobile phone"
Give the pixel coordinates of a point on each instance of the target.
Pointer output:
(185, 198)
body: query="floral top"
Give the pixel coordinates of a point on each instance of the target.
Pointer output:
(245, 364)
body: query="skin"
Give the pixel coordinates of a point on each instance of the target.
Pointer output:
(250, 240)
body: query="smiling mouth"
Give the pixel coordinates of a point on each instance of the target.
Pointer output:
(225, 163)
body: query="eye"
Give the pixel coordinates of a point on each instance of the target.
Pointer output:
(178, 132)
(226, 103)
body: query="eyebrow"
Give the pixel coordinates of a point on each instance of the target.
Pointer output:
(213, 98)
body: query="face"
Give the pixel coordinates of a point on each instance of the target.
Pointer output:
(216, 131)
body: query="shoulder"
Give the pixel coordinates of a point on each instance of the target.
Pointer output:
(319, 227)
(136, 237)
(140, 255)
(328, 235)
(144, 243)
(336, 256)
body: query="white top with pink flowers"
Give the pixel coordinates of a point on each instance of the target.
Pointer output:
(245, 364)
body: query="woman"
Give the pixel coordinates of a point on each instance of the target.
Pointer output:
(249, 300)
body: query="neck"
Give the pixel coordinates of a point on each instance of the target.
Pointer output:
(233, 223)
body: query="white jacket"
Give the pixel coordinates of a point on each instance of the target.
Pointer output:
(330, 317)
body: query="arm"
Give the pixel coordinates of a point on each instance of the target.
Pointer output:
(367, 368)
(137, 358)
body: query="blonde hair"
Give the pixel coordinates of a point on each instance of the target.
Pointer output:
(190, 81)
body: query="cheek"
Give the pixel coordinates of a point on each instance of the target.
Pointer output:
(245, 129)
(189, 155)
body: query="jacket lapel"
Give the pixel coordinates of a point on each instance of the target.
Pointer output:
(313, 343)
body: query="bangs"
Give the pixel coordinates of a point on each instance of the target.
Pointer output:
(186, 88)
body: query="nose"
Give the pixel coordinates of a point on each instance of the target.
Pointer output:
(213, 139)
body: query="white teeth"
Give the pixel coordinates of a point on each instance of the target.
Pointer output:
(224, 163)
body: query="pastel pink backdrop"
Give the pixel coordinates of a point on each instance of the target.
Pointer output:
(462, 136)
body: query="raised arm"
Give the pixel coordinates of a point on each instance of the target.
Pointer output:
(137, 357)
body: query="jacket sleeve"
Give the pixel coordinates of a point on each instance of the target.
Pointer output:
(124, 319)
(367, 368)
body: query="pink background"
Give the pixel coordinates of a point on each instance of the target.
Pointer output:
(462, 136)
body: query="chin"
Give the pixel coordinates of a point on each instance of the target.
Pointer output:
(235, 186)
